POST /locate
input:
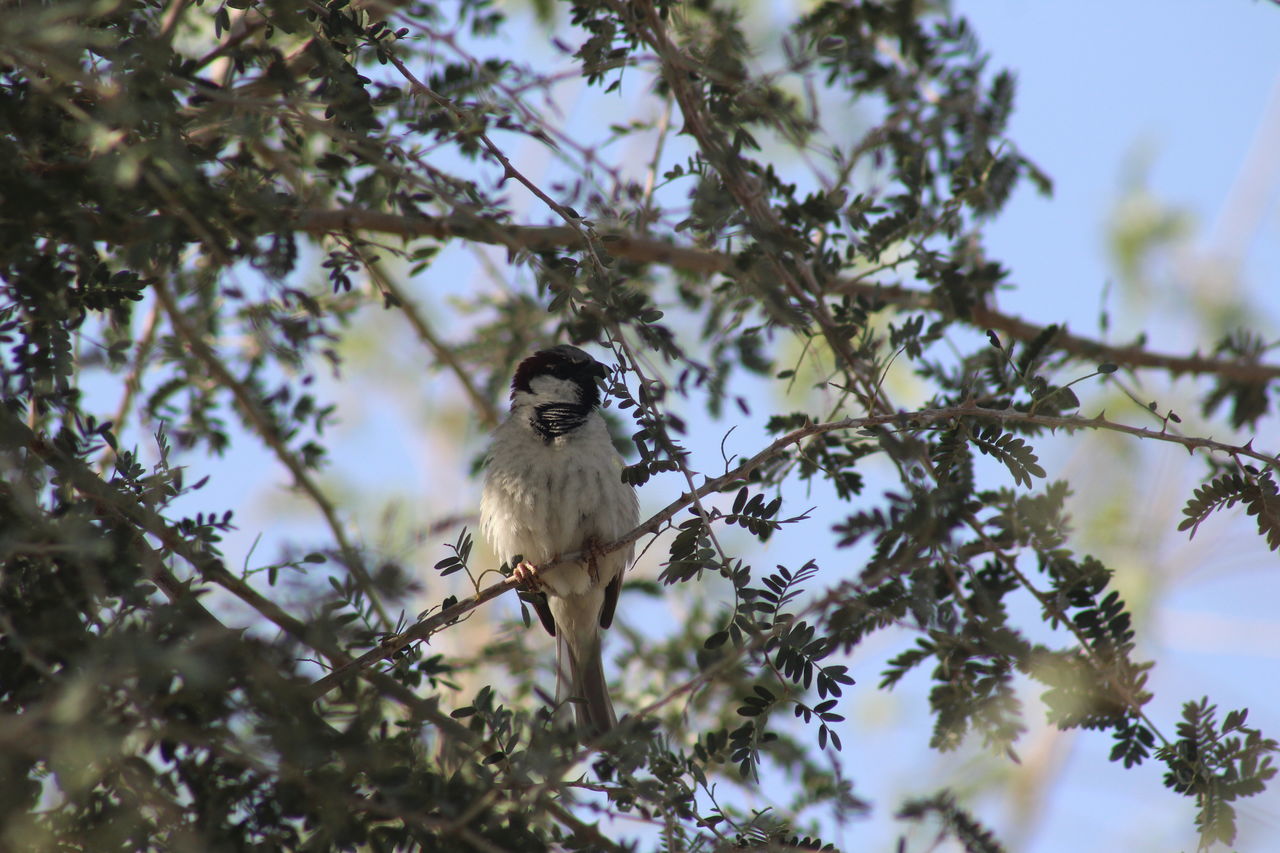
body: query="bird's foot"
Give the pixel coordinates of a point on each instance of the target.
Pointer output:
(593, 554)
(526, 574)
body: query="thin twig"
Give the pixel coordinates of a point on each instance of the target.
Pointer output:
(266, 430)
(484, 408)
(651, 173)
(508, 170)
(133, 382)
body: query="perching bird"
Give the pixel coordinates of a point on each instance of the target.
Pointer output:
(553, 487)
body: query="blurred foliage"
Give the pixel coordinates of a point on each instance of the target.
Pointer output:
(167, 171)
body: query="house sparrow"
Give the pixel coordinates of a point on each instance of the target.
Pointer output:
(554, 487)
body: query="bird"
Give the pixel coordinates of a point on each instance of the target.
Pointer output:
(553, 487)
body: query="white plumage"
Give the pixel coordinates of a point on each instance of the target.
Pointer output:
(553, 487)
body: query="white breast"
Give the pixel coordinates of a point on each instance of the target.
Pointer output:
(545, 499)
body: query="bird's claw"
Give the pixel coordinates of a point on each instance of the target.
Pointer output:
(526, 574)
(591, 550)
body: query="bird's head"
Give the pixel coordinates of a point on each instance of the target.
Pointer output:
(561, 374)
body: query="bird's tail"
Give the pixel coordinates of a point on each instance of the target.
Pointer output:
(580, 683)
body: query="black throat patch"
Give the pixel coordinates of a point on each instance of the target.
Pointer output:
(552, 420)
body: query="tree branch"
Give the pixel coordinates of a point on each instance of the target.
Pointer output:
(261, 423)
(530, 238)
(15, 434)
(695, 261)
(484, 407)
(655, 523)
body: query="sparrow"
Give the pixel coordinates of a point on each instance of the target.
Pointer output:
(552, 487)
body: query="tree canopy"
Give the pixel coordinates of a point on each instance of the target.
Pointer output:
(204, 203)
